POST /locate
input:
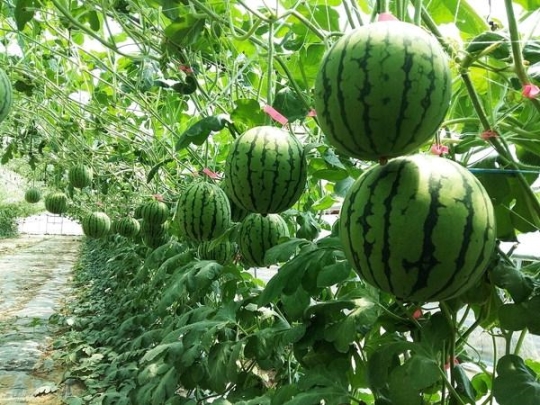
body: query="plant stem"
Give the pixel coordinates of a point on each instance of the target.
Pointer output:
(418, 12)
(516, 49)
(520, 341)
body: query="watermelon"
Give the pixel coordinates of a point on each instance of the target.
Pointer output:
(56, 202)
(421, 228)
(80, 176)
(32, 195)
(203, 212)
(127, 227)
(382, 90)
(96, 224)
(265, 170)
(155, 212)
(222, 252)
(257, 234)
(153, 230)
(6, 95)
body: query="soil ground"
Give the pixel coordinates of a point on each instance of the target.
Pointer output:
(35, 274)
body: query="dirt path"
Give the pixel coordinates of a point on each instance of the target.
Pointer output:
(35, 275)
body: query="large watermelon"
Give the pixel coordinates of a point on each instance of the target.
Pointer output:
(80, 176)
(382, 90)
(56, 202)
(203, 212)
(6, 95)
(265, 170)
(257, 234)
(96, 224)
(420, 227)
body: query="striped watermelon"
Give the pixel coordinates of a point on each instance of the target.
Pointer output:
(419, 227)
(80, 176)
(127, 227)
(32, 195)
(96, 224)
(56, 202)
(222, 252)
(203, 212)
(265, 170)
(155, 212)
(257, 234)
(6, 95)
(382, 90)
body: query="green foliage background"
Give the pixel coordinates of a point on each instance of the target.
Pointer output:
(150, 94)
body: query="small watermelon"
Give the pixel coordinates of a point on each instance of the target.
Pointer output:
(257, 234)
(80, 176)
(96, 224)
(56, 202)
(32, 195)
(203, 212)
(265, 170)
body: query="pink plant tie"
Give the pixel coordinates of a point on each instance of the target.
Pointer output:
(387, 17)
(312, 113)
(490, 133)
(210, 173)
(186, 69)
(158, 197)
(275, 115)
(438, 149)
(531, 91)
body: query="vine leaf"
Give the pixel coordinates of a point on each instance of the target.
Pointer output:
(515, 382)
(199, 132)
(153, 171)
(24, 12)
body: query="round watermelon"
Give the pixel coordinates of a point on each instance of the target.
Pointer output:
(265, 170)
(222, 252)
(32, 195)
(56, 202)
(154, 212)
(96, 224)
(257, 234)
(203, 212)
(80, 176)
(127, 227)
(419, 227)
(382, 90)
(6, 95)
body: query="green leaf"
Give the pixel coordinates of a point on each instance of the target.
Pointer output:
(289, 104)
(514, 281)
(513, 317)
(463, 385)
(284, 251)
(185, 30)
(515, 382)
(324, 203)
(24, 12)
(201, 130)
(529, 5)
(459, 12)
(248, 112)
(334, 274)
(334, 175)
(166, 387)
(342, 334)
(153, 171)
(408, 380)
(482, 384)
